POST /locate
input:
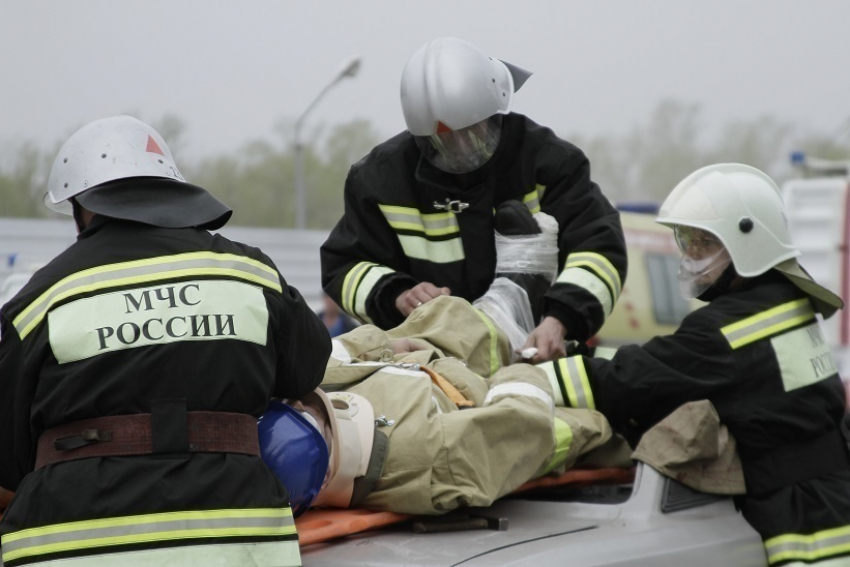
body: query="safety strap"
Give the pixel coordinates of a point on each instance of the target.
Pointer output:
(146, 434)
(366, 484)
(448, 389)
(794, 463)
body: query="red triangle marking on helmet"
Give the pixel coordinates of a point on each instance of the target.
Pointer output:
(442, 128)
(153, 147)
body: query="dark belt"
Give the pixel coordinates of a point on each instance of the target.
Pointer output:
(795, 463)
(126, 435)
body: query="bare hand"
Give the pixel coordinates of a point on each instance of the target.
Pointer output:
(406, 345)
(423, 292)
(548, 339)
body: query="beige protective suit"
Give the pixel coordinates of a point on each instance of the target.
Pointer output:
(440, 457)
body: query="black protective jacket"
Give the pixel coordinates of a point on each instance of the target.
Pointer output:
(129, 316)
(759, 356)
(394, 233)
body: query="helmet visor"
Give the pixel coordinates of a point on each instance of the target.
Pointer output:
(463, 150)
(704, 259)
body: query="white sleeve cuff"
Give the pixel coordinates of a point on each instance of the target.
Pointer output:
(518, 389)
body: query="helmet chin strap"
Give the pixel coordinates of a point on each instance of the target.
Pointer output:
(721, 285)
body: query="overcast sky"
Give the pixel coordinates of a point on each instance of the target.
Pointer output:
(233, 70)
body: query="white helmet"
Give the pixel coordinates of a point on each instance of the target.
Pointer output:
(742, 207)
(449, 81)
(449, 86)
(121, 148)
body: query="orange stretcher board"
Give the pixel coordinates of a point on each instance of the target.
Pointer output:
(322, 525)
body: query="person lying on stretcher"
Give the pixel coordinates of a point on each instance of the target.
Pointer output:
(437, 414)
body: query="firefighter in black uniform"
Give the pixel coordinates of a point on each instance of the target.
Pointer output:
(419, 209)
(756, 351)
(133, 369)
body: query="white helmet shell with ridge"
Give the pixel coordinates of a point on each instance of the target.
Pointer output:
(742, 207)
(105, 150)
(450, 84)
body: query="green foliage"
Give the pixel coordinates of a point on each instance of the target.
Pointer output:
(258, 179)
(650, 160)
(22, 183)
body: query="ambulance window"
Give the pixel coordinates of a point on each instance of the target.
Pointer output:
(668, 304)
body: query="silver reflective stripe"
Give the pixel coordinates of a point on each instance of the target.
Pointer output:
(575, 381)
(601, 266)
(591, 283)
(439, 252)
(146, 271)
(146, 529)
(813, 547)
(768, 323)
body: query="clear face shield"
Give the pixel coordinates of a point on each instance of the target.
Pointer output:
(463, 150)
(704, 259)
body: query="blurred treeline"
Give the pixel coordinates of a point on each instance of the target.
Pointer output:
(257, 180)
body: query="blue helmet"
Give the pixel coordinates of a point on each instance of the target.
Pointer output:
(295, 451)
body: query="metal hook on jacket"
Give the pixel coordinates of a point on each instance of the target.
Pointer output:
(455, 206)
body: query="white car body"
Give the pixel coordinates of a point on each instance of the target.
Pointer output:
(660, 523)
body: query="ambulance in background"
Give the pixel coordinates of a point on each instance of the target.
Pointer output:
(819, 219)
(650, 303)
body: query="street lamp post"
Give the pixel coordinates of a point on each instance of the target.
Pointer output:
(348, 70)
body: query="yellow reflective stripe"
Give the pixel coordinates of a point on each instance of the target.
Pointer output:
(532, 199)
(591, 283)
(494, 341)
(563, 442)
(601, 266)
(575, 381)
(819, 545)
(439, 252)
(357, 285)
(350, 283)
(364, 288)
(145, 271)
(146, 529)
(408, 218)
(768, 323)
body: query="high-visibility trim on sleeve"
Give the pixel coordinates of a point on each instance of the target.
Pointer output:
(563, 442)
(532, 198)
(357, 285)
(768, 323)
(598, 265)
(147, 529)
(140, 272)
(569, 380)
(494, 341)
(808, 548)
(590, 283)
